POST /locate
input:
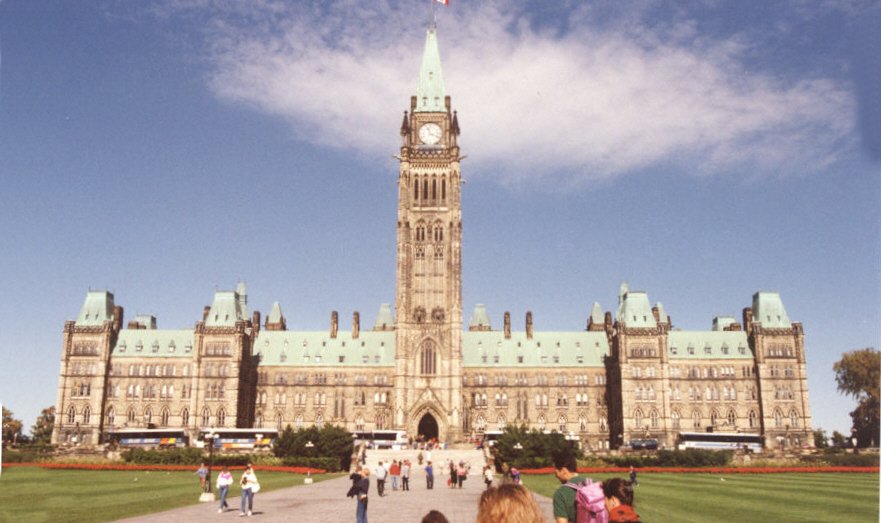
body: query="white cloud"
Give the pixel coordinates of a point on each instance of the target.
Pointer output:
(587, 104)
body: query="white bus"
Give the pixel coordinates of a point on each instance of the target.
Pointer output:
(381, 439)
(230, 439)
(490, 437)
(720, 441)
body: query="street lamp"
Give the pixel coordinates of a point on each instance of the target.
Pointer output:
(208, 496)
(518, 446)
(309, 446)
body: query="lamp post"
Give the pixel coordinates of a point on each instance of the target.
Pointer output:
(309, 446)
(208, 496)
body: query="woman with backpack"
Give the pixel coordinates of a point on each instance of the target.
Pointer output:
(619, 501)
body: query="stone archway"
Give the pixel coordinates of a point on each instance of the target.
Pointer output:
(428, 427)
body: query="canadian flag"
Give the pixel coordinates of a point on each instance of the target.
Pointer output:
(445, 2)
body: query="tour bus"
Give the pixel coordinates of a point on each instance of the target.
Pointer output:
(149, 438)
(720, 441)
(231, 439)
(381, 439)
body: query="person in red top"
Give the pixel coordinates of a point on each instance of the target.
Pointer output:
(395, 472)
(619, 501)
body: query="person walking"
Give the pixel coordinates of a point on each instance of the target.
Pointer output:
(405, 475)
(250, 486)
(461, 474)
(380, 479)
(224, 480)
(395, 472)
(203, 477)
(488, 476)
(633, 477)
(429, 476)
(361, 489)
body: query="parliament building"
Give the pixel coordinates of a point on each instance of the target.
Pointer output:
(625, 374)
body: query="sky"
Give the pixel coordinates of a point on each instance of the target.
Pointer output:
(699, 150)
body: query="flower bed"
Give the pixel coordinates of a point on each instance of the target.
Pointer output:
(708, 470)
(120, 466)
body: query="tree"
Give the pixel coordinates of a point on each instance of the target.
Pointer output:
(839, 440)
(41, 432)
(858, 374)
(820, 439)
(11, 428)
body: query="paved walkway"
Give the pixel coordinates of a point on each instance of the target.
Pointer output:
(326, 501)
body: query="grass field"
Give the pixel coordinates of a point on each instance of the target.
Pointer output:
(684, 498)
(36, 495)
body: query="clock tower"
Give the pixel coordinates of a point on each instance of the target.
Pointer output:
(428, 352)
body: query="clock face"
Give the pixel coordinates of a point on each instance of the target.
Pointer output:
(430, 133)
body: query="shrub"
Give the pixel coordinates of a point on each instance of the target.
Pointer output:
(328, 464)
(538, 449)
(182, 456)
(842, 460)
(675, 458)
(330, 442)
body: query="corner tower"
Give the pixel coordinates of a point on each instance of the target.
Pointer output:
(428, 356)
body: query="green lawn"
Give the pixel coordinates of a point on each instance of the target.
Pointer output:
(684, 498)
(31, 494)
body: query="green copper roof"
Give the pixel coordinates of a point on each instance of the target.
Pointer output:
(318, 349)
(479, 318)
(430, 91)
(768, 309)
(635, 310)
(228, 307)
(545, 349)
(708, 345)
(275, 315)
(151, 343)
(97, 309)
(384, 318)
(596, 314)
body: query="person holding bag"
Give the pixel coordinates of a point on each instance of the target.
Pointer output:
(224, 480)
(250, 486)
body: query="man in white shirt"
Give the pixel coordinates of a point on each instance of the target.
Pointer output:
(381, 474)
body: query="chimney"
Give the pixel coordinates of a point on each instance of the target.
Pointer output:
(507, 325)
(748, 318)
(334, 324)
(528, 325)
(134, 325)
(256, 320)
(655, 314)
(117, 317)
(356, 325)
(205, 312)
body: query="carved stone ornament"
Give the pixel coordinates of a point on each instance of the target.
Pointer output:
(419, 315)
(437, 314)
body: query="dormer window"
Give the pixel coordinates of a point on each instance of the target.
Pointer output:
(122, 346)
(139, 346)
(155, 346)
(188, 347)
(171, 346)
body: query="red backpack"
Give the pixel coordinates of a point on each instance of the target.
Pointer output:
(590, 502)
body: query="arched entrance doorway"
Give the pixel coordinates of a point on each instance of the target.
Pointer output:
(428, 427)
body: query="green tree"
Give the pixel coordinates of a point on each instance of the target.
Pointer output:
(41, 432)
(11, 428)
(839, 440)
(820, 439)
(858, 374)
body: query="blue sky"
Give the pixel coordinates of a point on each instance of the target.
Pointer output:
(701, 151)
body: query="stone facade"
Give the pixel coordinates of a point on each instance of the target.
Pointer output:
(626, 376)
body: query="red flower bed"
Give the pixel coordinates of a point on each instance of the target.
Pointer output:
(121, 466)
(709, 470)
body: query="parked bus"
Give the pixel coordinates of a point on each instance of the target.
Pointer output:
(381, 439)
(230, 439)
(720, 441)
(149, 438)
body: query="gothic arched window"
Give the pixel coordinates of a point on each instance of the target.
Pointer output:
(71, 414)
(185, 417)
(87, 415)
(428, 359)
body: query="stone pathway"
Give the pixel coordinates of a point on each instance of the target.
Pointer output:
(327, 501)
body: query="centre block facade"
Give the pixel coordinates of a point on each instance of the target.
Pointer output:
(624, 376)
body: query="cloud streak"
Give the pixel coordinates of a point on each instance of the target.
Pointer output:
(564, 105)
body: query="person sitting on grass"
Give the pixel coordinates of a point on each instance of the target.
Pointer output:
(619, 501)
(508, 503)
